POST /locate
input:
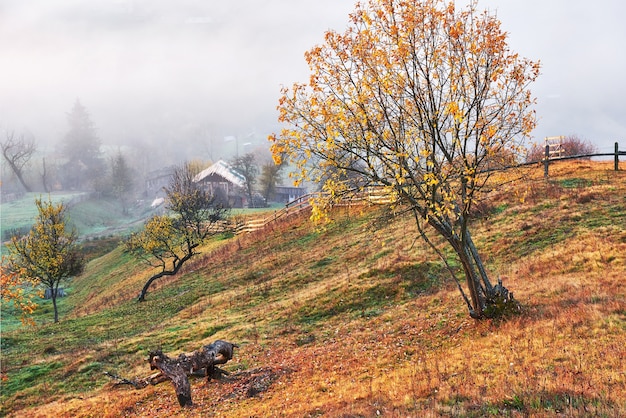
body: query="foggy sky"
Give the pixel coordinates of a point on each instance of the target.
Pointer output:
(185, 74)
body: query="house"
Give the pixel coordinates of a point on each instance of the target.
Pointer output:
(156, 180)
(224, 182)
(286, 194)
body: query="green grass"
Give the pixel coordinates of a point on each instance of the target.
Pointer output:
(88, 216)
(93, 333)
(96, 216)
(575, 183)
(25, 377)
(18, 215)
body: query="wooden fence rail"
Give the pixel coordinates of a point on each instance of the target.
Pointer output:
(372, 194)
(615, 154)
(379, 195)
(295, 206)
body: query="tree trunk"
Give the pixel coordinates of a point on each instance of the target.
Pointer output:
(473, 283)
(487, 301)
(176, 373)
(177, 264)
(479, 263)
(44, 176)
(18, 173)
(177, 369)
(53, 294)
(463, 254)
(144, 290)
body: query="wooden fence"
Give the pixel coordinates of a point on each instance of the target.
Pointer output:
(547, 159)
(294, 207)
(372, 194)
(380, 195)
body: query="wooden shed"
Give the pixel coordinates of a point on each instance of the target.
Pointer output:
(225, 182)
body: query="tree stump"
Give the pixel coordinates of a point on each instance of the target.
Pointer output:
(201, 361)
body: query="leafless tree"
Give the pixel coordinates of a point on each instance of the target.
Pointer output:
(271, 174)
(17, 152)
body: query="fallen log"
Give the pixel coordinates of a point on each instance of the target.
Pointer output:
(201, 361)
(176, 372)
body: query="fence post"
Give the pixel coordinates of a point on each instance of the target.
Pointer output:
(616, 157)
(546, 162)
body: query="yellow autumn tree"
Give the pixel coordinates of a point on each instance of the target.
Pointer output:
(418, 98)
(49, 254)
(13, 291)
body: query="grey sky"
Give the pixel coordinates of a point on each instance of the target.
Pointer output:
(198, 70)
(581, 48)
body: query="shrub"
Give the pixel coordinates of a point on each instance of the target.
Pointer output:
(571, 145)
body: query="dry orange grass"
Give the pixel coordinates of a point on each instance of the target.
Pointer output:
(415, 353)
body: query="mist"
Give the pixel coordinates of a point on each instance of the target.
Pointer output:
(173, 79)
(177, 76)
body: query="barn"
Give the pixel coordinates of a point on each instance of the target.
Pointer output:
(225, 182)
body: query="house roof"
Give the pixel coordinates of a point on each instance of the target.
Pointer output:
(223, 170)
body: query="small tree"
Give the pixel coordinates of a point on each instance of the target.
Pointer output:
(575, 145)
(415, 97)
(246, 165)
(49, 254)
(121, 180)
(169, 241)
(570, 146)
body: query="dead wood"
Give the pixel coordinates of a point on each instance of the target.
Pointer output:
(201, 362)
(136, 383)
(176, 370)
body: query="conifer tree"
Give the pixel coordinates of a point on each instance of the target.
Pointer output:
(84, 165)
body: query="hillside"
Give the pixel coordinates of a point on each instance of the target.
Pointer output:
(92, 217)
(357, 319)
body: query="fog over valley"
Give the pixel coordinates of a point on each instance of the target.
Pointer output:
(180, 75)
(174, 79)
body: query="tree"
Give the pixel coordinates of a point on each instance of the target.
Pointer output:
(168, 241)
(81, 147)
(197, 165)
(12, 286)
(246, 165)
(44, 176)
(17, 152)
(121, 180)
(415, 97)
(49, 254)
(270, 177)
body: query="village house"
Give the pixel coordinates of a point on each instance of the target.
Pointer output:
(225, 182)
(286, 194)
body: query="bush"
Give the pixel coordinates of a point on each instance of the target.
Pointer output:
(571, 145)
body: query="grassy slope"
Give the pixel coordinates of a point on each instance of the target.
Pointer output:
(19, 214)
(90, 217)
(354, 321)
